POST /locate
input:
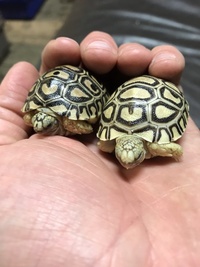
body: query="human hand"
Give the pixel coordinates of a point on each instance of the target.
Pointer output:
(64, 203)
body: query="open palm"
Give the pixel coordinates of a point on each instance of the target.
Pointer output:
(64, 203)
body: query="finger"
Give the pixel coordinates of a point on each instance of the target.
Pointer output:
(133, 59)
(192, 127)
(99, 52)
(190, 143)
(60, 51)
(13, 92)
(167, 63)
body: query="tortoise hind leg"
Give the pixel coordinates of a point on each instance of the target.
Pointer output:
(27, 119)
(77, 126)
(165, 150)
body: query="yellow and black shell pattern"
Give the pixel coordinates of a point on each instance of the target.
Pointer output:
(68, 91)
(154, 109)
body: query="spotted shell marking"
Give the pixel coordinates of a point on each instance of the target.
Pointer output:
(152, 108)
(68, 91)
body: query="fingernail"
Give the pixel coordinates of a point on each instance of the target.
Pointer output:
(101, 45)
(65, 40)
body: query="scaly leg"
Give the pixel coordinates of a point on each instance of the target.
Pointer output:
(165, 150)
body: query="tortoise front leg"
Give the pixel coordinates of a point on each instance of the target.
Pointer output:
(165, 150)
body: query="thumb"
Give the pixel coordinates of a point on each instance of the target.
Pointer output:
(13, 92)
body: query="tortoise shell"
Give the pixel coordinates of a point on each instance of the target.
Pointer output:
(149, 107)
(68, 91)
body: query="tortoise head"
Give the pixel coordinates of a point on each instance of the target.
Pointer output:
(47, 124)
(130, 150)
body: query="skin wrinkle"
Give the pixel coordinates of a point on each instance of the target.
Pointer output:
(12, 108)
(13, 97)
(60, 188)
(92, 265)
(126, 187)
(80, 235)
(174, 228)
(110, 249)
(96, 202)
(166, 195)
(167, 258)
(151, 209)
(16, 242)
(80, 168)
(67, 149)
(14, 82)
(33, 248)
(11, 90)
(125, 260)
(83, 186)
(152, 205)
(107, 252)
(67, 173)
(9, 125)
(11, 139)
(12, 120)
(137, 214)
(72, 162)
(152, 235)
(55, 48)
(90, 213)
(157, 199)
(29, 236)
(170, 191)
(51, 231)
